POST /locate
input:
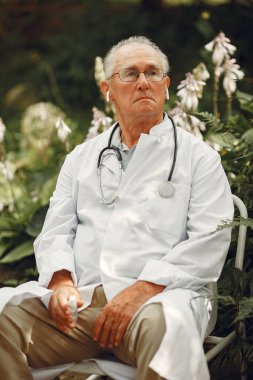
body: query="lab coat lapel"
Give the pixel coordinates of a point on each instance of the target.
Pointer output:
(152, 157)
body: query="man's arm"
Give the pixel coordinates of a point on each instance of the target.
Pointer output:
(54, 246)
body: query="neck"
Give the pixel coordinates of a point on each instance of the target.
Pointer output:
(131, 128)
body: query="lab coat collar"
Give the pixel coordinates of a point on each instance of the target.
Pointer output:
(156, 130)
(160, 129)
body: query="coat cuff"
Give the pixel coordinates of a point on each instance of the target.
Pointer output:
(166, 274)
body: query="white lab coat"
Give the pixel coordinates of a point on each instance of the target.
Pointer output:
(168, 241)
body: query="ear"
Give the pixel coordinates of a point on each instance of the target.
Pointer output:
(167, 81)
(104, 87)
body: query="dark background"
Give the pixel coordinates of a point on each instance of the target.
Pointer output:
(48, 48)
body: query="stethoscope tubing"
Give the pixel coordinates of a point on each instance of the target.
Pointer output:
(175, 149)
(119, 157)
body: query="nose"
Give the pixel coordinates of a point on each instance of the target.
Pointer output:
(142, 81)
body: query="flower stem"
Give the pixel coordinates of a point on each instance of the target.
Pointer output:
(215, 92)
(229, 106)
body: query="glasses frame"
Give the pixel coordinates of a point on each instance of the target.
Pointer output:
(140, 72)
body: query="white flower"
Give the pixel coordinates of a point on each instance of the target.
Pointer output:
(62, 129)
(92, 132)
(180, 117)
(186, 121)
(218, 70)
(2, 130)
(197, 126)
(8, 170)
(190, 90)
(200, 72)
(99, 70)
(38, 124)
(99, 123)
(221, 48)
(232, 73)
(1, 206)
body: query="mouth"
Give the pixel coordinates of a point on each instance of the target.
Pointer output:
(144, 98)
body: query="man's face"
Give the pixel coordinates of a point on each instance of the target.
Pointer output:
(142, 96)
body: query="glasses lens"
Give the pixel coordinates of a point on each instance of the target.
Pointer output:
(130, 75)
(154, 75)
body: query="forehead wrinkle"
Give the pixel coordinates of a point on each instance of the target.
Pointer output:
(129, 55)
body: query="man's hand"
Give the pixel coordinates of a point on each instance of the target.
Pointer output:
(59, 309)
(112, 322)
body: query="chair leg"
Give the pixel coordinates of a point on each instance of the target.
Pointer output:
(244, 365)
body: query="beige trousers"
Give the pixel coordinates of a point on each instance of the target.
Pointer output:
(29, 337)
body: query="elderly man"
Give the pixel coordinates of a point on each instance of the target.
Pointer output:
(130, 233)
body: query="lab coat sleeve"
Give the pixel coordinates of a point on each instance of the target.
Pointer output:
(54, 246)
(198, 260)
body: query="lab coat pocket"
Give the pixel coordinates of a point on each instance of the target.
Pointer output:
(168, 214)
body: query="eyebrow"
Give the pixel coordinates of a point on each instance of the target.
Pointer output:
(149, 66)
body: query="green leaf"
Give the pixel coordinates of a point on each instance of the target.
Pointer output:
(225, 140)
(236, 222)
(47, 190)
(248, 136)
(18, 253)
(226, 300)
(210, 120)
(35, 225)
(245, 100)
(12, 282)
(4, 246)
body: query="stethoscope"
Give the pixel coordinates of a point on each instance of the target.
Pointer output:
(165, 189)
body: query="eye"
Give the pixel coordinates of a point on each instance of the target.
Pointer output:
(131, 73)
(128, 75)
(152, 72)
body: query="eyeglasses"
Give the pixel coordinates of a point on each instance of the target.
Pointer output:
(130, 75)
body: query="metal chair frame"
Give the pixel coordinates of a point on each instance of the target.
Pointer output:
(220, 343)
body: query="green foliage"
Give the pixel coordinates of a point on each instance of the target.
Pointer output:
(18, 253)
(61, 66)
(28, 176)
(236, 222)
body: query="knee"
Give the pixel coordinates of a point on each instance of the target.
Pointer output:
(152, 323)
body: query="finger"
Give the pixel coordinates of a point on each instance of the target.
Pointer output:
(59, 315)
(113, 333)
(119, 336)
(79, 302)
(106, 332)
(63, 302)
(64, 328)
(99, 323)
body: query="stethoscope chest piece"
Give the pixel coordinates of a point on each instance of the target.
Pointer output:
(166, 189)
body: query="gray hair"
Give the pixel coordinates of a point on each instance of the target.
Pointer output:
(109, 60)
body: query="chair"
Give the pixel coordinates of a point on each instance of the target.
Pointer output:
(220, 343)
(98, 369)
